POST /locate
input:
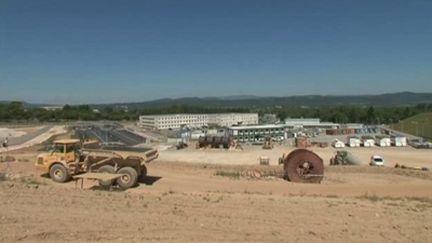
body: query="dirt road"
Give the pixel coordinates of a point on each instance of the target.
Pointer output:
(183, 202)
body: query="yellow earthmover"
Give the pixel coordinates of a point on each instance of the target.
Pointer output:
(68, 158)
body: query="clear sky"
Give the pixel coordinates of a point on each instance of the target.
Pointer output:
(98, 51)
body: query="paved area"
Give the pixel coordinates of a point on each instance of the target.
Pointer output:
(110, 135)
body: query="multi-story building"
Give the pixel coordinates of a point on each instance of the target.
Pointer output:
(309, 123)
(258, 133)
(231, 119)
(176, 121)
(173, 121)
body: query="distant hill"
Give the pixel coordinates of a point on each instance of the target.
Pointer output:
(249, 101)
(419, 125)
(25, 104)
(392, 99)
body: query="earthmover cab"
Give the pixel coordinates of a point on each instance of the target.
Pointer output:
(68, 148)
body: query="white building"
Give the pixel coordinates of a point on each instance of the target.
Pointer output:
(176, 121)
(382, 141)
(173, 121)
(353, 125)
(258, 133)
(231, 119)
(52, 108)
(399, 141)
(309, 123)
(368, 141)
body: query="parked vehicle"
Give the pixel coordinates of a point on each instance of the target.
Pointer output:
(376, 160)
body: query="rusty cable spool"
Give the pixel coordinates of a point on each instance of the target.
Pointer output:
(303, 165)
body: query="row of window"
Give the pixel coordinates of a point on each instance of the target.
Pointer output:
(270, 132)
(183, 122)
(181, 118)
(262, 130)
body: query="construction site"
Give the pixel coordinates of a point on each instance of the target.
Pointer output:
(210, 187)
(215, 121)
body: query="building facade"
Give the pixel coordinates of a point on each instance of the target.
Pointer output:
(309, 123)
(176, 121)
(258, 133)
(173, 121)
(232, 119)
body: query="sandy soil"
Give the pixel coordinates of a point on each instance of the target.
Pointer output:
(183, 202)
(28, 129)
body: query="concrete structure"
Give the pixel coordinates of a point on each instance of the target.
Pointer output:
(176, 121)
(232, 119)
(258, 133)
(352, 126)
(173, 121)
(309, 123)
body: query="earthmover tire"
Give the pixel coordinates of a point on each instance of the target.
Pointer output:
(59, 173)
(106, 169)
(128, 179)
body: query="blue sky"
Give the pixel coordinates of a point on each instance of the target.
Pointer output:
(58, 51)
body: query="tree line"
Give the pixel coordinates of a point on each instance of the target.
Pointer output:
(17, 111)
(355, 114)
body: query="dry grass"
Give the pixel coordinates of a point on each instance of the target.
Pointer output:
(250, 173)
(375, 198)
(230, 174)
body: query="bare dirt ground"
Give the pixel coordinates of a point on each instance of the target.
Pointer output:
(28, 129)
(250, 154)
(183, 202)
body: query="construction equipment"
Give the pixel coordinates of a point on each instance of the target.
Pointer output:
(181, 145)
(344, 157)
(376, 160)
(214, 142)
(320, 144)
(268, 143)
(302, 165)
(68, 158)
